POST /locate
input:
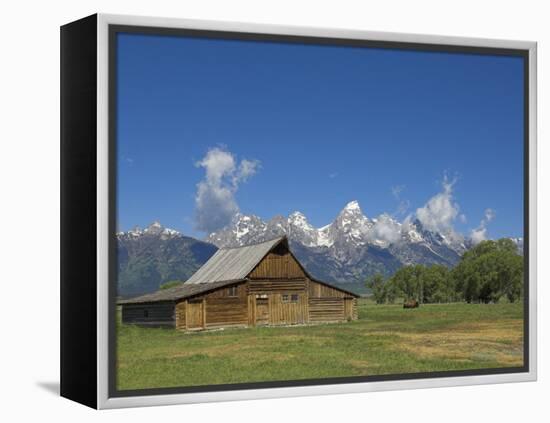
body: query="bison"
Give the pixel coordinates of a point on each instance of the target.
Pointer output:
(411, 304)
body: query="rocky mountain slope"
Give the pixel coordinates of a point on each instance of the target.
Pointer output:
(154, 255)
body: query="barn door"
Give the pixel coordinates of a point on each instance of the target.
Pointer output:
(195, 314)
(262, 311)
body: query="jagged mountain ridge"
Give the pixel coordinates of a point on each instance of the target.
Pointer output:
(350, 248)
(154, 255)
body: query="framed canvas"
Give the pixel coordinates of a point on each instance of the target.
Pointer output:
(256, 211)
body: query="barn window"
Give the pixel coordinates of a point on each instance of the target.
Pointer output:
(286, 298)
(232, 291)
(145, 313)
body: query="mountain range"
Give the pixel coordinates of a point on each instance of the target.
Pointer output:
(149, 257)
(346, 251)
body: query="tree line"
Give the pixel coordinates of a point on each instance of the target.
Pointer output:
(490, 271)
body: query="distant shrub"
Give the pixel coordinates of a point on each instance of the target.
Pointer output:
(170, 284)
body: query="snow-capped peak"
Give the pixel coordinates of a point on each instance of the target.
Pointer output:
(299, 219)
(353, 206)
(153, 229)
(169, 231)
(344, 238)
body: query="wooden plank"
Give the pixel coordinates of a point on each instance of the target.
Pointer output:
(326, 309)
(194, 317)
(203, 305)
(318, 290)
(180, 315)
(278, 265)
(266, 286)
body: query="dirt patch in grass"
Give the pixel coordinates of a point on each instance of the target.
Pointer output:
(485, 341)
(362, 365)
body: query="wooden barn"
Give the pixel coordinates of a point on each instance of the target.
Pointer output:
(255, 285)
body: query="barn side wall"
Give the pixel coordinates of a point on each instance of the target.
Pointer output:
(224, 307)
(149, 314)
(327, 304)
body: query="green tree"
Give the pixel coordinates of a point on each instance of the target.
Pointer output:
(377, 285)
(391, 291)
(437, 284)
(170, 284)
(489, 271)
(406, 282)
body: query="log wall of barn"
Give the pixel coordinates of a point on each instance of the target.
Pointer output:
(268, 286)
(149, 314)
(227, 307)
(327, 304)
(326, 309)
(287, 281)
(287, 312)
(318, 290)
(180, 315)
(220, 308)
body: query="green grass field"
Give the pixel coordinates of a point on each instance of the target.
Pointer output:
(385, 340)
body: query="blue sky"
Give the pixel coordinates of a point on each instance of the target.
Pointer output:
(321, 126)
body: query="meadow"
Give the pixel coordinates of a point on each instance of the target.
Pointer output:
(386, 339)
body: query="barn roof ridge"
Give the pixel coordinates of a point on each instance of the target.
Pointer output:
(279, 238)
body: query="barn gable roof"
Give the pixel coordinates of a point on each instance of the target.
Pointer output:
(227, 266)
(233, 263)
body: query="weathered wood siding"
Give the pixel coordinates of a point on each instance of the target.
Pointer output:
(350, 308)
(287, 312)
(194, 313)
(278, 264)
(261, 310)
(223, 307)
(269, 285)
(326, 309)
(227, 307)
(327, 304)
(318, 290)
(149, 314)
(180, 315)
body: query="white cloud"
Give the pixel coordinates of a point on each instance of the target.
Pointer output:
(480, 233)
(333, 175)
(406, 225)
(215, 203)
(385, 229)
(404, 204)
(403, 207)
(397, 190)
(440, 212)
(489, 215)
